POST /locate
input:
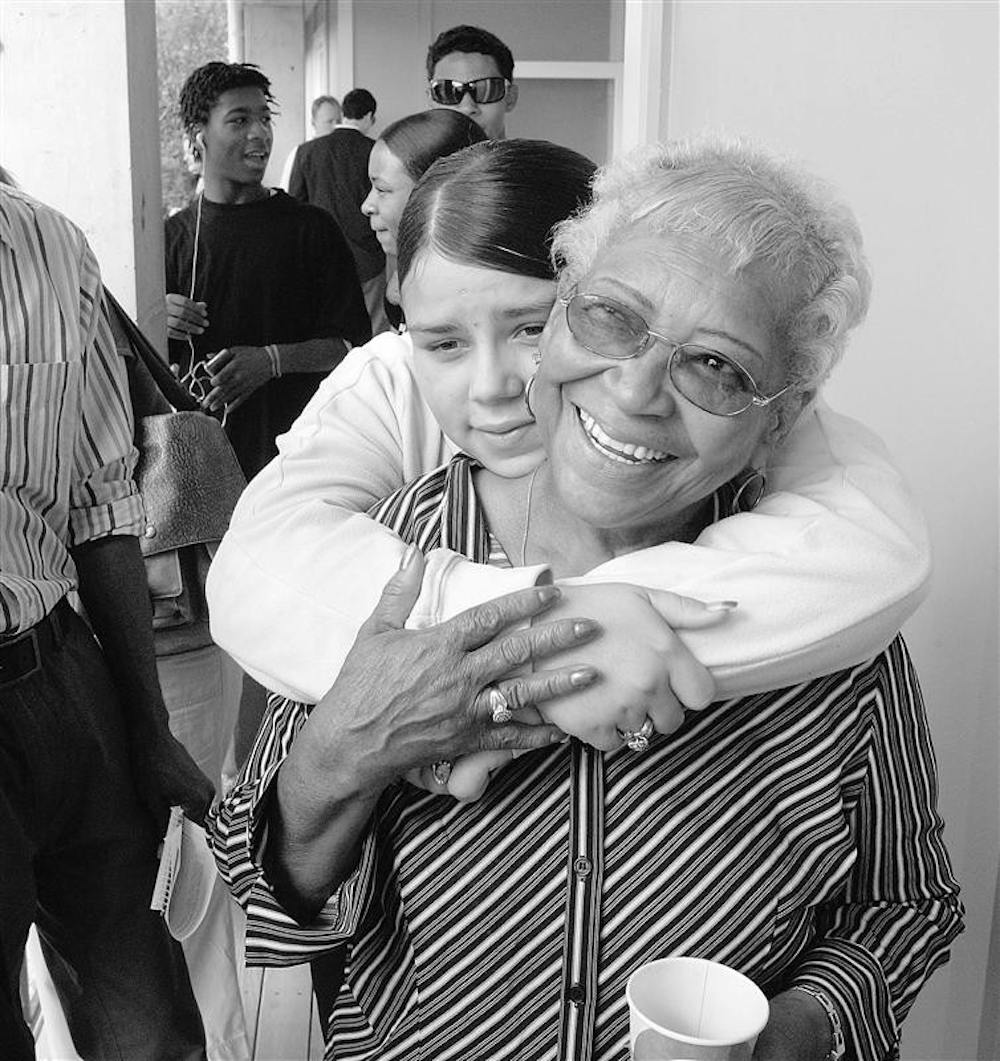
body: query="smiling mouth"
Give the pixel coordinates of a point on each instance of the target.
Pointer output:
(622, 452)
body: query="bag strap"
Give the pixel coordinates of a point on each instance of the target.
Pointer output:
(164, 380)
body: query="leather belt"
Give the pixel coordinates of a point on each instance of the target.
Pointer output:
(23, 654)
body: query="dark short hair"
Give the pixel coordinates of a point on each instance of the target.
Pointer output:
(202, 89)
(319, 101)
(357, 103)
(470, 39)
(421, 139)
(494, 205)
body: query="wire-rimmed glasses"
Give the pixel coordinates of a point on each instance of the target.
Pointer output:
(714, 382)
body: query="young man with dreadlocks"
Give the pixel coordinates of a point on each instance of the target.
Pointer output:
(263, 294)
(263, 301)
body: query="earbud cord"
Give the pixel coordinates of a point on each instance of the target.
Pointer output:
(194, 255)
(194, 269)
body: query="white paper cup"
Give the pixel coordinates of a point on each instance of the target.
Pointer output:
(690, 1009)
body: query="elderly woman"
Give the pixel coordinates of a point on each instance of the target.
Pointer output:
(792, 834)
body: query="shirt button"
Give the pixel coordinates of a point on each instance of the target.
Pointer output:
(582, 866)
(576, 994)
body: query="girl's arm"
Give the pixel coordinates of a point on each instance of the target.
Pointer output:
(825, 569)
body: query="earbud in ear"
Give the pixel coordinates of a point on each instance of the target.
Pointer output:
(199, 139)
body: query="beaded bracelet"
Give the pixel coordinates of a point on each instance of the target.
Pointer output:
(839, 1047)
(274, 356)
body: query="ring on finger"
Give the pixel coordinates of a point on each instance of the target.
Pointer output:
(500, 706)
(637, 739)
(441, 771)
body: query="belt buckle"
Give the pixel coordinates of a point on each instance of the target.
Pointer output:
(32, 637)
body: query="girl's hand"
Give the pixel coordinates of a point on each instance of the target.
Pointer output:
(646, 669)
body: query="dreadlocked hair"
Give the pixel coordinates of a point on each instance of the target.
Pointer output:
(202, 89)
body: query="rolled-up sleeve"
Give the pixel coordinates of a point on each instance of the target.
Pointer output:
(104, 498)
(894, 926)
(237, 835)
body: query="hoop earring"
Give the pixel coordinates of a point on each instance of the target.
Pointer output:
(527, 395)
(749, 492)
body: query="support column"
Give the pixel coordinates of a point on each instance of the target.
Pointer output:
(273, 37)
(646, 61)
(79, 130)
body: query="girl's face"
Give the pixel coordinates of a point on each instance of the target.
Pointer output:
(391, 187)
(475, 338)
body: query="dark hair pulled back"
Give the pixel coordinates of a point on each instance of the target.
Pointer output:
(421, 139)
(494, 204)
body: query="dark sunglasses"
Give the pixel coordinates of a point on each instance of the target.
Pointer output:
(483, 90)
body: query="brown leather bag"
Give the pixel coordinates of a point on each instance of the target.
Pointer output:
(190, 481)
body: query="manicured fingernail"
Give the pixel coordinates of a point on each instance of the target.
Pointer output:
(582, 677)
(583, 627)
(408, 557)
(547, 593)
(721, 605)
(558, 737)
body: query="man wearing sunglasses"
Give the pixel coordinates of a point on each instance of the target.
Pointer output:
(470, 70)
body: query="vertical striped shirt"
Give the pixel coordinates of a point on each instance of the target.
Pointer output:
(66, 454)
(792, 835)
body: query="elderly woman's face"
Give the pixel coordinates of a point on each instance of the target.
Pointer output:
(627, 450)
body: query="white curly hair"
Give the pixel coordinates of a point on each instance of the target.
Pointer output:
(754, 209)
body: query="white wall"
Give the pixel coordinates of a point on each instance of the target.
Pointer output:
(896, 103)
(91, 61)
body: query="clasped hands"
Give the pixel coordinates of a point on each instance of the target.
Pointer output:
(645, 672)
(234, 372)
(405, 699)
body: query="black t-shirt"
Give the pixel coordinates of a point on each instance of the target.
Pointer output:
(271, 271)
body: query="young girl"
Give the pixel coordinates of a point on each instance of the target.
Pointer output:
(825, 568)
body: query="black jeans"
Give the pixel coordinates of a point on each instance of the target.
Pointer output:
(78, 857)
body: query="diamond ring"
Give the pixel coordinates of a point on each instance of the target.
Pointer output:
(637, 739)
(441, 771)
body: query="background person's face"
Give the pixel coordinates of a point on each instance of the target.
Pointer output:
(391, 187)
(238, 137)
(469, 66)
(327, 117)
(475, 333)
(627, 451)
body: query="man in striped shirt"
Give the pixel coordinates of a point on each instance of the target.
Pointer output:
(88, 767)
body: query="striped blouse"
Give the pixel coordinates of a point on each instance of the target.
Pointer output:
(65, 418)
(792, 835)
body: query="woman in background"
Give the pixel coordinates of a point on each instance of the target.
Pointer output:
(399, 159)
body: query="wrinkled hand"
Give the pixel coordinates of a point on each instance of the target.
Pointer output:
(646, 669)
(185, 317)
(166, 776)
(797, 1029)
(236, 373)
(405, 699)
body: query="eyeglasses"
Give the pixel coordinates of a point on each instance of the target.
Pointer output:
(449, 93)
(715, 383)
